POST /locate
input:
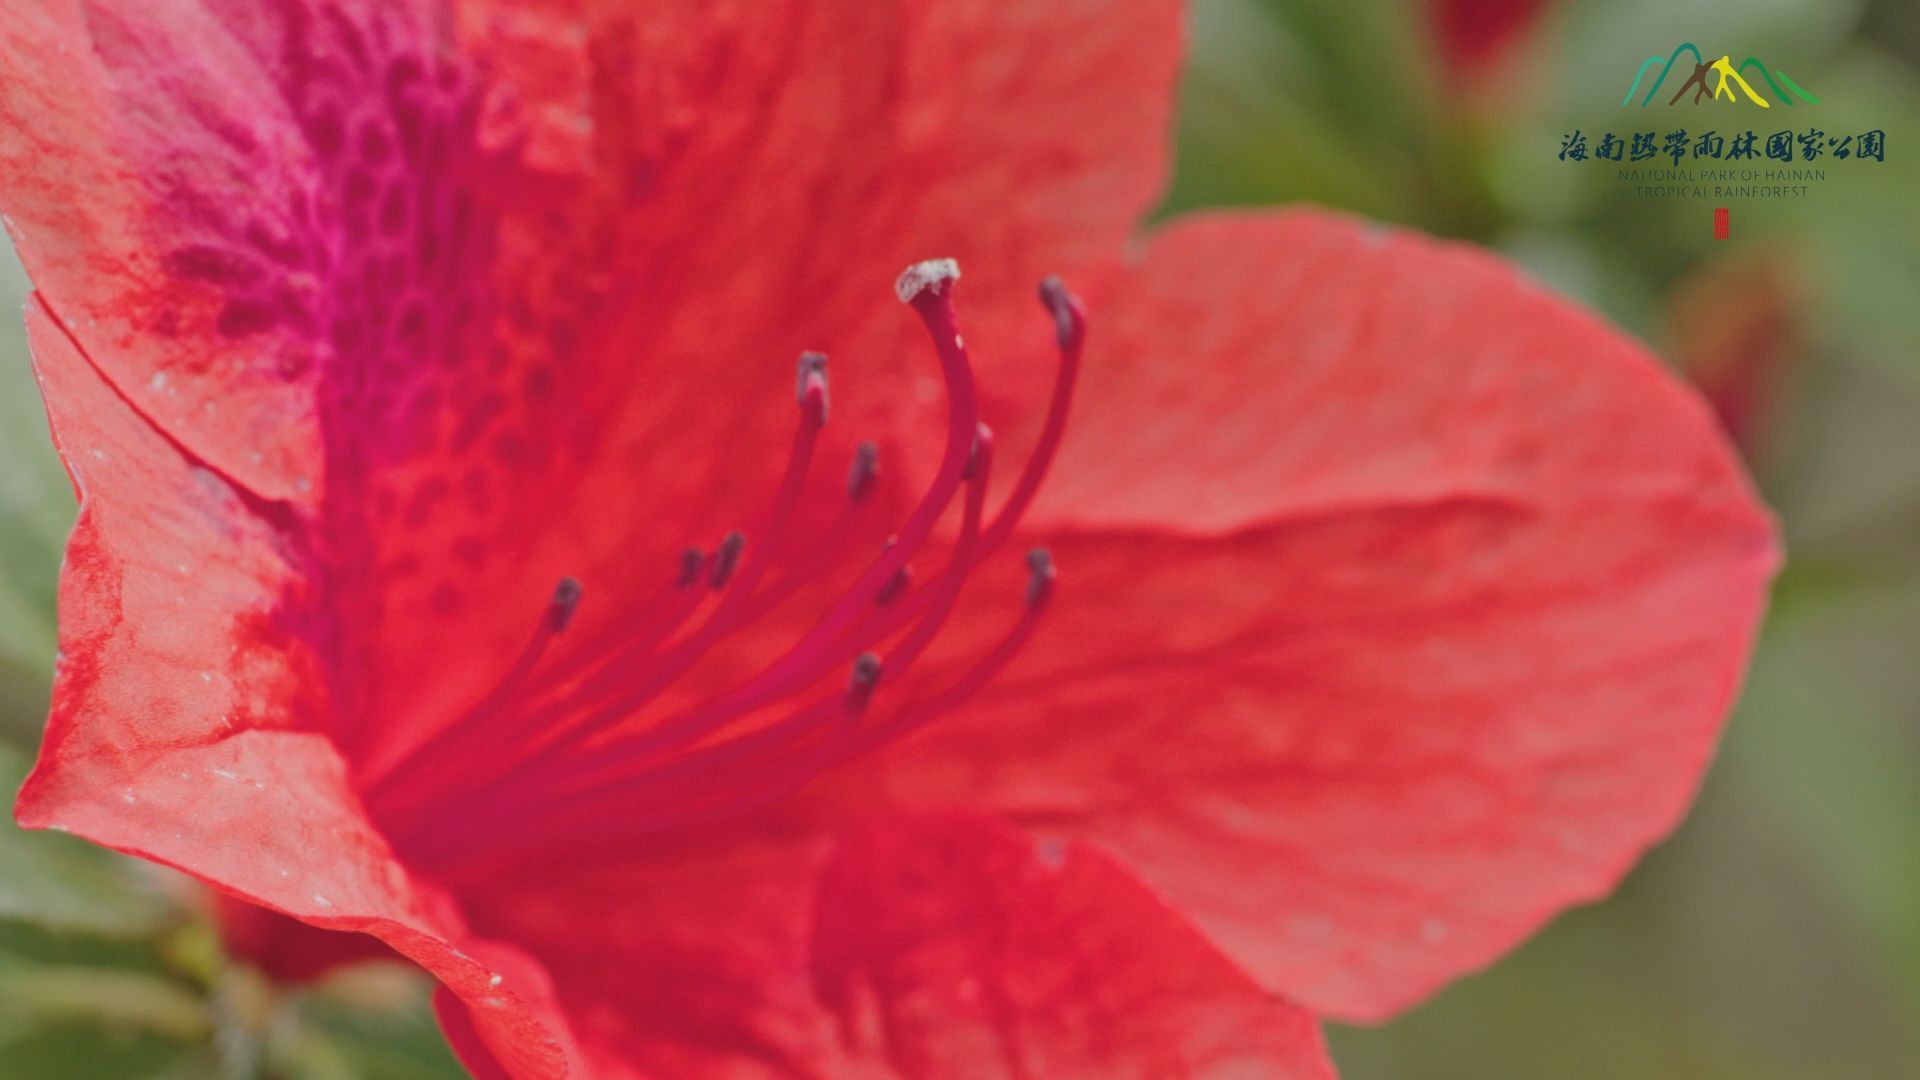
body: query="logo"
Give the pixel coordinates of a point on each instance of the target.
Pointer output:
(1726, 75)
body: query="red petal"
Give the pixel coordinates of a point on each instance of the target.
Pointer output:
(1400, 605)
(467, 319)
(960, 948)
(930, 947)
(187, 698)
(161, 195)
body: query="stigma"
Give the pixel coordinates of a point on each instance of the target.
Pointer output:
(603, 735)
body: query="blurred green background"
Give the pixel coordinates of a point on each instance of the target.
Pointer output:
(1777, 935)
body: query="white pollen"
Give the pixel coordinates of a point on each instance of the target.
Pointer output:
(933, 274)
(321, 900)
(495, 981)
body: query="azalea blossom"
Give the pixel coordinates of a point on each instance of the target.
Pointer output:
(529, 523)
(1474, 37)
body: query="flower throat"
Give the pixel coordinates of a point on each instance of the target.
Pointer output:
(592, 750)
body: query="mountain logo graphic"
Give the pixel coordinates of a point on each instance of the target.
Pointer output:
(1726, 78)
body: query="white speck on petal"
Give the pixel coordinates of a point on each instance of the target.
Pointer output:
(495, 981)
(1311, 927)
(321, 900)
(933, 274)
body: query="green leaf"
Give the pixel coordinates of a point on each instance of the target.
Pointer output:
(86, 1052)
(36, 510)
(371, 1020)
(48, 995)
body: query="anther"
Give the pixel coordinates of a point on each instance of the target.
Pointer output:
(935, 274)
(725, 558)
(1062, 305)
(860, 684)
(982, 444)
(812, 373)
(691, 561)
(566, 597)
(866, 466)
(1040, 575)
(895, 585)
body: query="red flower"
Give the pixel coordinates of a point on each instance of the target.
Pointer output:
(1401, 602)
(1474, 36)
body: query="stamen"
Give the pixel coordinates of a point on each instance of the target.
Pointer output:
(725, 558)
(566, 597)
(589, 754)
(812, 380)
(896, 585)
(1069, 318)
(553, 622)
(686, 728)
(1039, 577)
(918, 714)
(619, 697)
(665, 797)
(866, 466)
(830, 546)
(804, 662)
(691, 561)
(1070, 333)
(866, 673)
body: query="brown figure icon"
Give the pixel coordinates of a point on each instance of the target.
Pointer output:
(1697, 80)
